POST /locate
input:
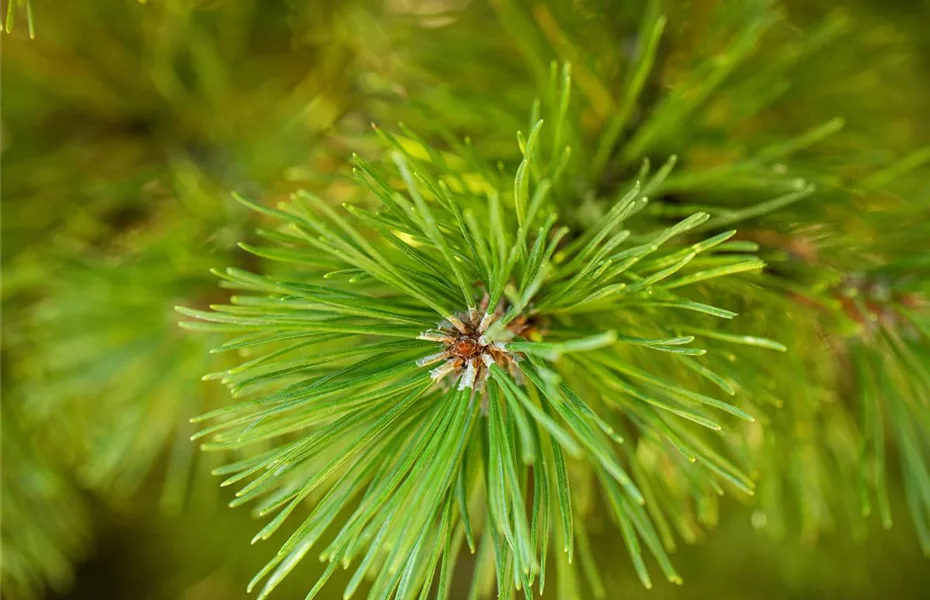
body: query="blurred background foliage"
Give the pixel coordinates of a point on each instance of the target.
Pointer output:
(126, 124)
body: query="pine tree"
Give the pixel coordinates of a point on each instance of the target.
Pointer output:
(593, 261)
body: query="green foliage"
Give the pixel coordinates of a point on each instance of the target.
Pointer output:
(123, 125)
(721, 85)
(111, 339)
(351, 412)
(588, 361)
(451, 210)
(37, 552)
(108, 226)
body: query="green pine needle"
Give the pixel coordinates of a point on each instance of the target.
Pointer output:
(534, 355)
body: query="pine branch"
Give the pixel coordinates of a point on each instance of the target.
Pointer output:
(528, 327)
